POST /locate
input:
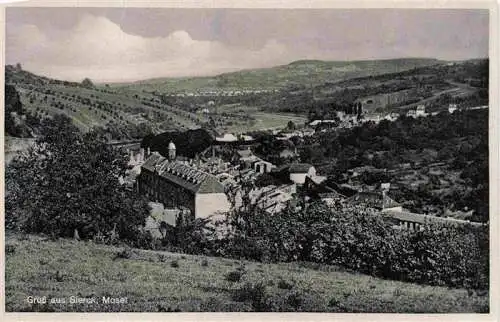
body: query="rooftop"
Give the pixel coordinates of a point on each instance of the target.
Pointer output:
(183, 175)
(245, 153)
(419, 218)
(373, 199)
(299, 167)
(228, 137)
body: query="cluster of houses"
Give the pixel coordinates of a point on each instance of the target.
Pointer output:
(188, 188)
(348, 121)
(223, 92)
(207, 187)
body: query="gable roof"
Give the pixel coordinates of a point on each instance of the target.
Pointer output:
(228, 137)
(260, 161)
(373, 199)
(183, 175)
(299, 167)
(244, 153)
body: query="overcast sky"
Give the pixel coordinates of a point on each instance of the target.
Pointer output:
(117, 44)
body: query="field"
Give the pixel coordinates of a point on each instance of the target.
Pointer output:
(128, 112)
(277, 120)
(91, 107)
(258, 120)
(162, 281)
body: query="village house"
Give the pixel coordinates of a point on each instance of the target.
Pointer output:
(376, 118)
(452, 108)
(177, 185)
(227, 137)
(318, 122)
(136, 158)
(392, 117)
(294, 172)
(376, 200)
(262, 166)
(411, 113)
(299, 171)
(245, 158)
(420, 111)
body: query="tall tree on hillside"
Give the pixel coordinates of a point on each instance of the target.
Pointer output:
(87, 83)
(13, 114)
(70, 181)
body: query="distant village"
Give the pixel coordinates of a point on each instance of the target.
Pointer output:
(212, 183)
(222, 92)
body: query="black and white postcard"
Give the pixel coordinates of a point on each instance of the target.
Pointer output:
(249, 159)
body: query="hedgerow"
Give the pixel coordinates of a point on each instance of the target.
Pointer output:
(358, 240)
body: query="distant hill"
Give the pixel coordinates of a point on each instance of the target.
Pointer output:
(232, 101)
(310, 72)
(125, 115)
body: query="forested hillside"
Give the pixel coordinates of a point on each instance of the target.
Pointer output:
(438, 160)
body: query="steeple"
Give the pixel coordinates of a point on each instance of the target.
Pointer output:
(171, 151)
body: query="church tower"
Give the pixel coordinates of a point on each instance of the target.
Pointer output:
(171, 151)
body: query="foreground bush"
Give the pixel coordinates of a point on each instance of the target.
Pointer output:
(358, 240)
(67, 185)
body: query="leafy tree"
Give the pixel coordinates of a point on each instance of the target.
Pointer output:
(13, 111)
(87, 83)
(266, 179)
(70, 181)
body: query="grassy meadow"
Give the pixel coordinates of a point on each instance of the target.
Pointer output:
(158, 281)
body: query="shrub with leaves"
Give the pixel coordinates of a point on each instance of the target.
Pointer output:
(255, 294)
(284, 285)
(235, 276)
(361, 240)
(125, 253)
(10, 249)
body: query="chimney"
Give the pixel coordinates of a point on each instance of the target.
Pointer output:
(149, 152)
(142, 155)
